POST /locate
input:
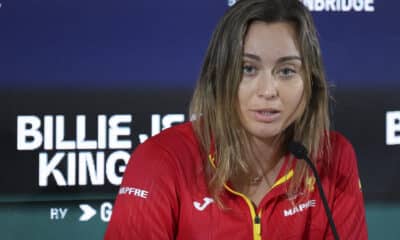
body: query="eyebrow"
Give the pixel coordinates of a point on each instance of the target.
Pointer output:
(252, 56)
(280, 60)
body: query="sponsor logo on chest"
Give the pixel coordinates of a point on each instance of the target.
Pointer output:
(299, 208)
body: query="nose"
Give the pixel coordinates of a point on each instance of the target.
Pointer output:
(267, 86)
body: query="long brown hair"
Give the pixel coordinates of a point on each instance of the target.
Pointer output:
(215, 100)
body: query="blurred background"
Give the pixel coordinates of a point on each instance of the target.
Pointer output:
(83, 83)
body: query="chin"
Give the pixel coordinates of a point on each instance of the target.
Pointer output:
(263, 131)
(266, 134)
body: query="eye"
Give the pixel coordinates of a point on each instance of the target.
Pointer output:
(286, 72)
(249, 69)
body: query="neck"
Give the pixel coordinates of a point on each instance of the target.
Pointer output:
(265, 152)
(265, 159)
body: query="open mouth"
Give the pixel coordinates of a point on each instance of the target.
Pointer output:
(268, 113)
(267, 116)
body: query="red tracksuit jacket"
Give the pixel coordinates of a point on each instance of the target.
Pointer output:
(164, 195)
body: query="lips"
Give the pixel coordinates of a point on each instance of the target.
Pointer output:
(266, 115)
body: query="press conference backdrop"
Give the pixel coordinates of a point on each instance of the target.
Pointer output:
(84, 82)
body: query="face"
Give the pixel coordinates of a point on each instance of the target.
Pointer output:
(271, 90)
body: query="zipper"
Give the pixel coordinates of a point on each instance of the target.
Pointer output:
(257, 226)
(255, 217)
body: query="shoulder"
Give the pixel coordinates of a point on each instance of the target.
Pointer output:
(177, 137)
(337, 139)
(177, 142)
(183, 131)
(340, 144)
(342, 156)
(164, 153)
(172, 158)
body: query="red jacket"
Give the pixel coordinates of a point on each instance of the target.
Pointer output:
(164, 196)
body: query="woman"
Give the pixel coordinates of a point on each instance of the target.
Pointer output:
(228, 174)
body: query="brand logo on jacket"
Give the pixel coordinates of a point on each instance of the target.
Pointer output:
(132, 191)
(201, 206)
(299, 208)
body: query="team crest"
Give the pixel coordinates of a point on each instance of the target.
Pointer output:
(310, 183)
